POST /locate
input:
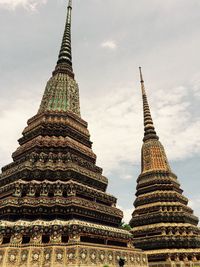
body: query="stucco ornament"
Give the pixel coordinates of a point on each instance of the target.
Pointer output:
(35, 256)
(12, 258)
(59, 256)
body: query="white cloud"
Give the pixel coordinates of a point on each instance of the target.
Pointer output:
(127, 177)
(177, 126)
(194, 203)
(116, 125)
(110, 44)
(127, 214)
(13, 118)
(196, 85)
(27, 4)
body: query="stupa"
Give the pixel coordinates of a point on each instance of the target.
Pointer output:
(163, 224)
(54, 208)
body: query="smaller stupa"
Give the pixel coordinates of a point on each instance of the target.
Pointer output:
(163, 224)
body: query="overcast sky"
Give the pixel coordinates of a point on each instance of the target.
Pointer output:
(111, 39)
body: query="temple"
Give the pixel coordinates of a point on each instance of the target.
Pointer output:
(54, 208)
(162, 223)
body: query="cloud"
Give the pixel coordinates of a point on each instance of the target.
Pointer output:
(127, 214)
(196, 85)
(110, 44)
(127, 177)
(27, 4)
(114, 121)
(116, 125)
(177, 124)
(13, 118)
(194, 203)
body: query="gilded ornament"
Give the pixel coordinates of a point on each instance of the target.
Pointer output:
(59, 256)
(24, 257)
(47, 256)
(35, 257)
(83, 255)
(12, 258)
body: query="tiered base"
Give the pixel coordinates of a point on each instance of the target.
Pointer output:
(174, 258)
(70, 255)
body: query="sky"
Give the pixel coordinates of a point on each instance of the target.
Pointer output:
(111, 39)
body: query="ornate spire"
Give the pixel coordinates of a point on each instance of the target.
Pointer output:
(62, 92)
(64, 63)
(163, 224)
(149, 130)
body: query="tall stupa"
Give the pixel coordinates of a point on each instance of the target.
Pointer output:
(54, 208)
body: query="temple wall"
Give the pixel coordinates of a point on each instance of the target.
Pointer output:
(77, 255)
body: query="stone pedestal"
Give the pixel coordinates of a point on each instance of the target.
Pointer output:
(73, 255)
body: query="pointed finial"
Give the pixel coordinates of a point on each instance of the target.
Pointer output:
(142, 82)
(149, 130)
(141, 76)
(70, 3)
(64, 63)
